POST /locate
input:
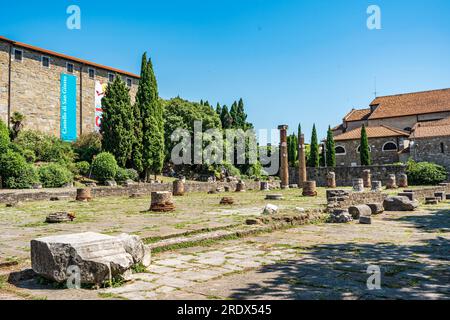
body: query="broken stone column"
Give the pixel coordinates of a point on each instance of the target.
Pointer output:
(358, 185)
(178, 188)
(84, 194)
(391, 182)
(302, 174)
(265, 186)
(310, 189)
(162, 202)
(403, 181)
(240, 186)
(331, 180)
(227, 201)
(284, 165)
(377, 186)
(367, 178)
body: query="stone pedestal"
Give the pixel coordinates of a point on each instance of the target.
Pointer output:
(162, 202)
(178, 188)
(284, 165)
(84, 194)
(391, 182)
(331, 180)
(358, 185)
(367, 179)
(403, 181)
(377, 186)
(240, 187)
(310, 189)
(227, 201)
(274, 197)
(302, 174)
(265, 186)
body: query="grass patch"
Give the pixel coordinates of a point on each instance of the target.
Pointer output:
(139, 268)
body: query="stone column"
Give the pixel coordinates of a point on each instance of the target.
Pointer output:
(358, 185)
(302, 175)
(331, 180)
(240, 186)
(403, 181)
(84, 194)
(284, 165)
(367, 178)
(162, 202)
(391, 182)
(310, 189)
(178, 188)
(377, 186)
(265, 186)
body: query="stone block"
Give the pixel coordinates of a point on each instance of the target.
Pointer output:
(360, 210)
(365, 220)
(376, 208)
(274, 197)
(441, 195)
(410, 195)
(400, 204)
(270, 209)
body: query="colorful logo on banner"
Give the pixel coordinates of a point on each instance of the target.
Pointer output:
(100, 89)
(68, 107)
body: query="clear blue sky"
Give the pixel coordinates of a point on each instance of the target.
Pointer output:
(290, 60)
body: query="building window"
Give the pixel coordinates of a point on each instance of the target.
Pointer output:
(409, 129)
(111, 77)
(129, 82)
(91, 72)
(340, 150)
(18, 55)
(442, 147)
(45, 62)
(390, 146)
(359, 149)
(70, 67)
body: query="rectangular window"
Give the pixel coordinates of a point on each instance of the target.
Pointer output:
(111, 77)
(18, 55)
(70, 67)
(45, 62)
(129, 82)
(91, 73)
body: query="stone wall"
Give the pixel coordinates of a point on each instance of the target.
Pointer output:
(348, 199)
(436, 149)
(7, 196)
(35, 90)
(345, 175)
(422, 193)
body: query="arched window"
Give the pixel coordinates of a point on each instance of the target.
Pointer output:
(359, 149)
(390, 146)
(340, 150)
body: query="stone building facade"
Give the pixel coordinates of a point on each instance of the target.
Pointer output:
(30, 83)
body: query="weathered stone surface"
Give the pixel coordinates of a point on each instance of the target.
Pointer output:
(162, 201)
(270, 209)
(84, 194)
(441, 195)
(358, 185)
(377, 186)
(391, 182)
(376, 208)
(59, 217)
(309, 189)
(265, 186)
(110, 183)
(431, 201)
(410, 195)
(367, 178)
(403, 180)
(128, 183)
(331, 180)
(360, 210)
(400, 204)
(340, 216)
(274, 197)
(99, 257)
(178, 188)
(337, 193)
(134, 246)
(240, 187)
(365, 220)
(227, 201)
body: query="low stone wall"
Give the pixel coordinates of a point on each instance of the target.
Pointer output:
(8, 196)
(428, 192)
(345, 175)
(348, 199)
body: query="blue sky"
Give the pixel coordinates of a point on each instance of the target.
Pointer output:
(291, 61)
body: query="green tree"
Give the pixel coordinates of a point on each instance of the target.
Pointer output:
(331, 149)
(314, 156)
(117, 121)
(218, 109)
(234, 115)
(299, 131)
(226, 119)
(364, 150)
(241, 116)
(152, 124)
(293, 149)
(4, 137)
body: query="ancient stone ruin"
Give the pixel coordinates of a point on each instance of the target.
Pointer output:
(227, 201)
(391, 182)
(264, 186)
(358, 185)
(310, 189)
(399, 203)
(377, 186)
(84, 194)
(162, 202)
(331, 180)
(59, 217)
(240, 186)
(178, 188)
(284, 165)
(403, 181)
(367, 178)
(274, 197)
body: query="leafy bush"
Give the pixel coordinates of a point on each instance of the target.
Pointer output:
(133, 174)
(425, 173)
(83, 168)
(125, 174)
(4, 137)
(87, 146)
(104, 166)
(54, 175)
(28, 154)
(16, 172)
(46, 148)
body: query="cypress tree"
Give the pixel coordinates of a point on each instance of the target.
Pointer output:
(152, 124)
(331, 149)
(314, 156)
(241, 116)
(299, 131)
(364, 150)
(292, 149)
(117, 121)
(225, 117)
(234, 115)
(218, 109)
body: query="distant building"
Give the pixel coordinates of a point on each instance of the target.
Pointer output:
(57, 94)
(399, 127)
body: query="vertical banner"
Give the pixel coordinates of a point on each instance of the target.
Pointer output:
(68, 118)
(100, 89)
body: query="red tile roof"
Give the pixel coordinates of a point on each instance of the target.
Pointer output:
(357, 115)
(372, 132)
(63, 56)
(411, 104)
(440, 128)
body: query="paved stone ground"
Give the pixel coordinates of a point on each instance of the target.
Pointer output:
(326, 261)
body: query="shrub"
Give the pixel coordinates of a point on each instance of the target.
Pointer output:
(54, 175)
(125, 174)
(83, 168)
(104, 166)
(46, 148)
(87, 146)
(16, 172)
(133, 174)
(425, 173)
(4, 137)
